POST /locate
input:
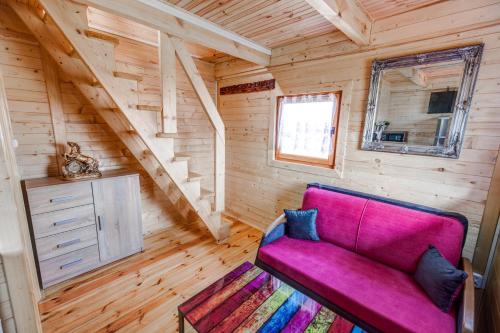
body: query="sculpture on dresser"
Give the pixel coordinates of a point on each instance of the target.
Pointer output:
(79, 166)
(380, 127)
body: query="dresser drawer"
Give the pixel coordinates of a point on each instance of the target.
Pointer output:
(54, 246)
(68, 265)
(51, 198)
(52, 223)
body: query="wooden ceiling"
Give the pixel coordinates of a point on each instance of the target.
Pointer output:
(275, 23)
(269, 22)
(378, 9)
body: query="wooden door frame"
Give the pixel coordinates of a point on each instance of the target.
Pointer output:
(15, 248)
(488, 222)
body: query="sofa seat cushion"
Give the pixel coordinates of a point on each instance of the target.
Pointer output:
(385, 298)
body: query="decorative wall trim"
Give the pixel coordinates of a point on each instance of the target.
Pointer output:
(248, 87)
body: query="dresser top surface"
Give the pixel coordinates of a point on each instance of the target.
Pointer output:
(48, 181)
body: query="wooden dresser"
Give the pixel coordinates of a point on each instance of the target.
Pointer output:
(77, 226)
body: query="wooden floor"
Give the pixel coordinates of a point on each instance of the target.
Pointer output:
(141, 293)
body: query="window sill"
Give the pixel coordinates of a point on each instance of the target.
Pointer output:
(315, 170)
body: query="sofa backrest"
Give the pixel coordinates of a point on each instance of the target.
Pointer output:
(398, 236)
(392, 232)
(338, 215)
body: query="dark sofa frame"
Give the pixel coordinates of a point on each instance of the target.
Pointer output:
(465, 315)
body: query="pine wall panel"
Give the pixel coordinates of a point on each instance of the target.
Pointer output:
(257, 192)
(21, 64)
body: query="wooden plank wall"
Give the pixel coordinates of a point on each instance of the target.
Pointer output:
(490, 310)
(406, 109)
(195, 134)
(257, 193)
(21, 63)
(6, 314)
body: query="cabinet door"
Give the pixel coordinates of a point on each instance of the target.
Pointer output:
(118, 216)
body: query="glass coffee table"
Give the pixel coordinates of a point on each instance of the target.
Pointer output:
(249, 299)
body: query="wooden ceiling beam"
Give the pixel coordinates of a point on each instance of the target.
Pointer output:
(347, 16)
(414, 75)
(178, 22)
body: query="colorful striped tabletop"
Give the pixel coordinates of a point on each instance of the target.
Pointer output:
(249, 299)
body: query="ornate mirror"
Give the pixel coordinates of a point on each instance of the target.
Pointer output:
(419, 104)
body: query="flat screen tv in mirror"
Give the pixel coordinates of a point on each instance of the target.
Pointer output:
(442, 101)
(419, 104)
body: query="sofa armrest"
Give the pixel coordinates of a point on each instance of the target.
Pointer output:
(281, 219)
(467, 310)
(275, 230)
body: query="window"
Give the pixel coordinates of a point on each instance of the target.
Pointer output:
(306, 128)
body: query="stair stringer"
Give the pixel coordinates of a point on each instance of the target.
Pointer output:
(143, 144)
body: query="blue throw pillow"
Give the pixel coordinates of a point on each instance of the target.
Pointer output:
(301, 224)
(441, 280)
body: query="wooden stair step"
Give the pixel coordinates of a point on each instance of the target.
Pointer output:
(102, 36)
(114, 91)
(128, 76)
(96, 83)
(194, 188)
(193, 177)
(206, 194)
(146, 107)
(87, 109)
(41, 13)
(182, 157)
(73, 54)
(204, 204)
(166, 135)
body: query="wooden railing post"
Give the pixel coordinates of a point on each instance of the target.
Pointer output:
(220, 173)
(168, 84)
(213, 115)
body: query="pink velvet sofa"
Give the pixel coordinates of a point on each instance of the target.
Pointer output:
(364, 263)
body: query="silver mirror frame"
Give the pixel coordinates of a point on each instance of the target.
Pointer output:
(471, 55)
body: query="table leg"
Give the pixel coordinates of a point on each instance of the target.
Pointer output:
(181, 322)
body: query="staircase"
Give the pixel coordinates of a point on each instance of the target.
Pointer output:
(88, 58)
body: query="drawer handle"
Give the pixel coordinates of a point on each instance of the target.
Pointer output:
(62, 222)
(99, 222)
(71, 263)
(62, 199)
(68, 243)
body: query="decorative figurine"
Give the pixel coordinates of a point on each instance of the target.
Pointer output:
(380, 127)
(79, 166)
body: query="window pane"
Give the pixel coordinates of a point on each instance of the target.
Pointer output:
(305, 127)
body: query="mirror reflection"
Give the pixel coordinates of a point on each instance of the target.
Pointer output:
(416, 104)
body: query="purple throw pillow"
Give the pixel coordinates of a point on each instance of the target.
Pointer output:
(440, 280)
